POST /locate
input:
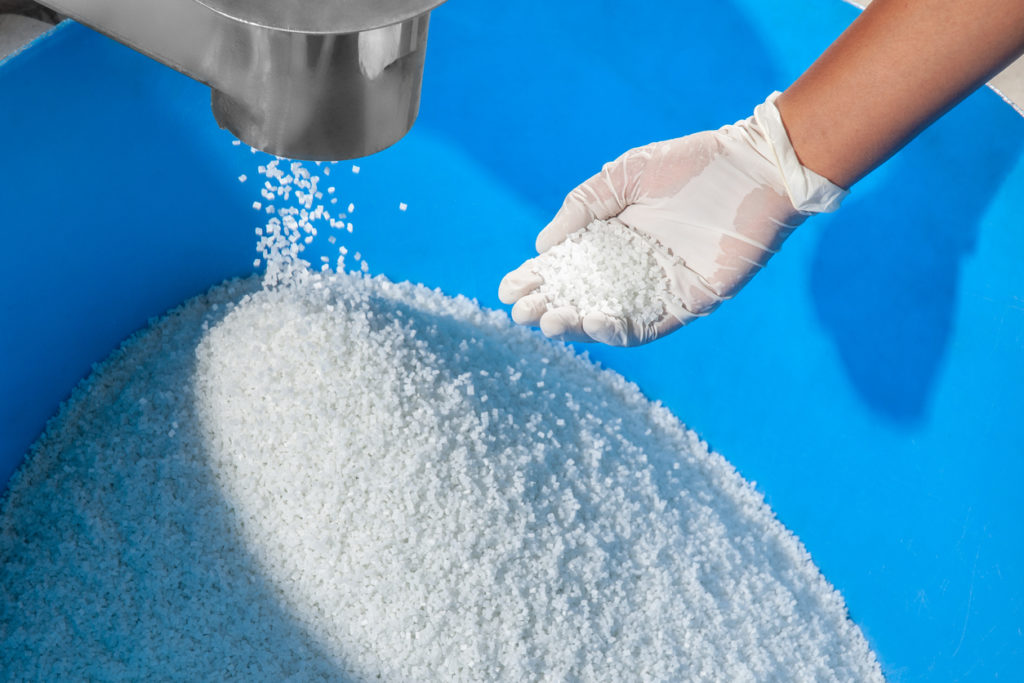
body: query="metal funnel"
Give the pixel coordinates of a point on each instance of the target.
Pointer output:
(306, 79)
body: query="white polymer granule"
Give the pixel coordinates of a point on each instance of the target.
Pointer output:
(323, 476)
(605, 268)
(344, 478)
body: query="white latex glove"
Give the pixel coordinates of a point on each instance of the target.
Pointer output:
(720, 203)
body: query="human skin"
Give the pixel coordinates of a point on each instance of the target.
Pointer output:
(899, 66)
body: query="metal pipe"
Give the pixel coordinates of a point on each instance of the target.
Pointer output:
(306, 79)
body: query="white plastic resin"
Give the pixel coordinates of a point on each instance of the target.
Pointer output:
(329, 476)
(605, 268)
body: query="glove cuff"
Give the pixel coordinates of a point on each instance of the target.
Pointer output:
(810, 192)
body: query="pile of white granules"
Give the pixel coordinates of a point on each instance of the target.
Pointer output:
(333, 476)
(605, 268)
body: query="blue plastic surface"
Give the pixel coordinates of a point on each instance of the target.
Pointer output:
(871, 380)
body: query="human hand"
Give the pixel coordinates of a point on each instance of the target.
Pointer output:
(714, 205)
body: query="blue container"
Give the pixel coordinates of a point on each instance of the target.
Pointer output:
(871, 380)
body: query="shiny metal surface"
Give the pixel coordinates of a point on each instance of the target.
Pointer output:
(321, 95)
(322, 16)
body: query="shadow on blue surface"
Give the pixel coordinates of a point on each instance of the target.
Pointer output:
(120, 245)
(887, 270)
(653, 78)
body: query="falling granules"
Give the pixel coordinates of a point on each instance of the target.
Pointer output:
(605, 268)
(295, 222)
(313, 475)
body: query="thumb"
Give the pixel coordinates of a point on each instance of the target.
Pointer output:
(616, 331)
(601, 197)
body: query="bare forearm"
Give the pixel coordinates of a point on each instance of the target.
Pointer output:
(898, 67)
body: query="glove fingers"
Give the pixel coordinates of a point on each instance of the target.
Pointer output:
(519, 283)
(529, 309)
(564, 324)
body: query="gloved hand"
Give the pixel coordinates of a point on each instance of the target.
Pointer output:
(719, 203)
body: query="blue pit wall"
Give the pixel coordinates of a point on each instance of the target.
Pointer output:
(870, 380)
